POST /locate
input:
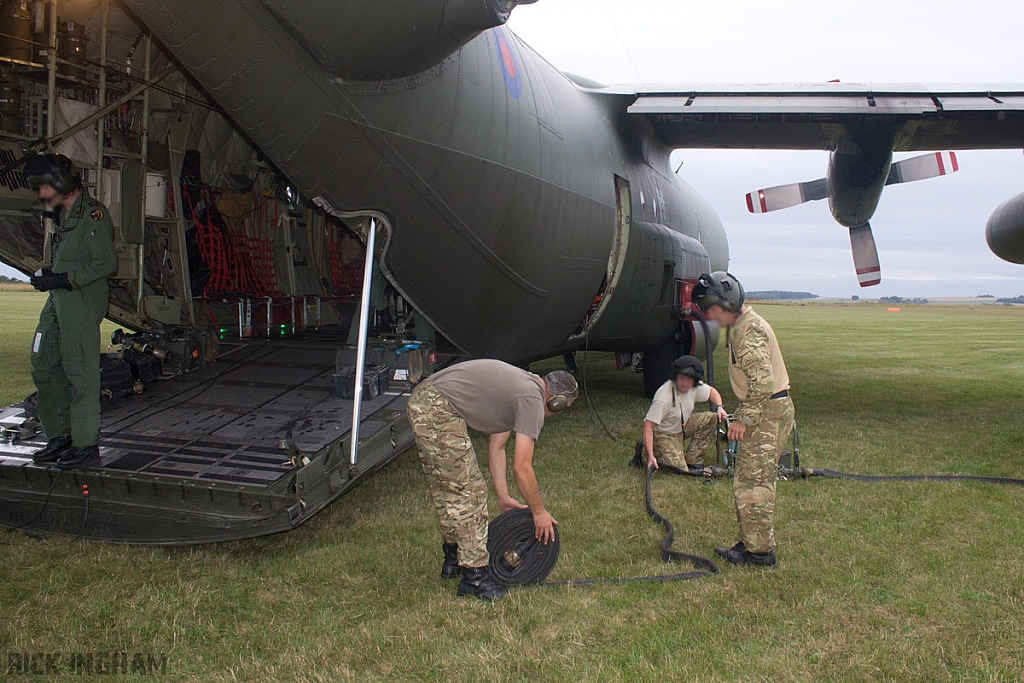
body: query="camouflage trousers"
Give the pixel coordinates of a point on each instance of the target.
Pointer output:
(672, 449)
(449, 462)
(757, 471)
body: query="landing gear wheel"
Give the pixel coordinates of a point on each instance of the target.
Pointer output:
(656, 365)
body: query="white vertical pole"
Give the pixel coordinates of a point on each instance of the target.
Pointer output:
(364, 327)
(101, 99)
(144, 154)
(51, 74)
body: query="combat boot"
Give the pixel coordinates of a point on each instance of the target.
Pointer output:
(85, 456)
(638, 461)
(450, 569)
(477, 581)
(724, 552)
(744, 558)
(52, 451)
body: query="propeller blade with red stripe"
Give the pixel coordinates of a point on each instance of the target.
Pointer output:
(785, 196)
(923, 167)
(865, 255)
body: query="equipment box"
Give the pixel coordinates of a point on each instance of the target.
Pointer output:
(376, 350)
(375, 382)
(145, 368)
(409, 361)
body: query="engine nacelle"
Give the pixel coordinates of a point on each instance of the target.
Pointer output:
(856, 178)
(368, 40)
(1004, 231)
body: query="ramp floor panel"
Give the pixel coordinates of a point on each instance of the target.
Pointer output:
(234, 419)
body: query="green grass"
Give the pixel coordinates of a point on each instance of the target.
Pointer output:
(877, 582)
(19, 315)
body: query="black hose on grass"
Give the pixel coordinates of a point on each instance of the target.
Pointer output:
(517, 558)
(808, 472)
(586, 392)
(805, 472)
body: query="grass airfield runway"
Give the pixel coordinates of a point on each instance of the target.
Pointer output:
(877, 582)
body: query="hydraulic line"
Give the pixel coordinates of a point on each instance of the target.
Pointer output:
(808, 472)
(517, 558)
(805, 472)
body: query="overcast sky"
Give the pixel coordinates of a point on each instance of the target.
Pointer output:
(930, 234)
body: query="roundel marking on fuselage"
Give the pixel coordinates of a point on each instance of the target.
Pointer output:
(509, 68)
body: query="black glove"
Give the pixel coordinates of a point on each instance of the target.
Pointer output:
(50, 280)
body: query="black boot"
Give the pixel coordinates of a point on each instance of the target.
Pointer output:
(85, 456)
(746, 558)
(477, 581)
(52, 451)
(450, 569)
(639, 460)
(724, 552)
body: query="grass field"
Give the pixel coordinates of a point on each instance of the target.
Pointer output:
(19, 314)
(877, 582)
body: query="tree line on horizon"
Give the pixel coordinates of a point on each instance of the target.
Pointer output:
(780, 295)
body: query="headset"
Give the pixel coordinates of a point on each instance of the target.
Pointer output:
(557, 403)
(560, 401)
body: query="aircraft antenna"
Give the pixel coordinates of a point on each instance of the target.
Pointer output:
(615, 28)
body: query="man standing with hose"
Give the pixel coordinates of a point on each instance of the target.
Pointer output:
(762, 422)
(497, 399)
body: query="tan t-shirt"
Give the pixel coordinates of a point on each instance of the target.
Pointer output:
(671, 408)
(494, 397)
(754, 357)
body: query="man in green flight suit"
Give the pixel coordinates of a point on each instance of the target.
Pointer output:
(66, 345)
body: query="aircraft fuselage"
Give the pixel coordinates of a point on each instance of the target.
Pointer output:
(511, 197)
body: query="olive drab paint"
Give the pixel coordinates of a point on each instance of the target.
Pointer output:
(66, 345)
(496, 175)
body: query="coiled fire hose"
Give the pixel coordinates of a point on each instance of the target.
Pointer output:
(518, 558)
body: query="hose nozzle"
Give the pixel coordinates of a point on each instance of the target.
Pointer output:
(512, 557)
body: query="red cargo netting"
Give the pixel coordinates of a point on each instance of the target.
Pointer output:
(240, 252)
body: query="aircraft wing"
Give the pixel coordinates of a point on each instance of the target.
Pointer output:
(818, 116)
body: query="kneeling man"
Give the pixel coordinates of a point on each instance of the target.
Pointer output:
(671, 418)
(494, 398)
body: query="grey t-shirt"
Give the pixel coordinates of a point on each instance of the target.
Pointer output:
(494, 397)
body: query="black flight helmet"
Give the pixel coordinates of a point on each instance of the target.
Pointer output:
(55, 170)
(719, 288)
(688, 366)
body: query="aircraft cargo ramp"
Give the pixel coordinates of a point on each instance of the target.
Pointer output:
(254, 443)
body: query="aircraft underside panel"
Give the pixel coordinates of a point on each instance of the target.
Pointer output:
(818, 117)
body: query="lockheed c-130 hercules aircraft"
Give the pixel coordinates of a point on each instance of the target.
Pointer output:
(527, 212)
(523, 212)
